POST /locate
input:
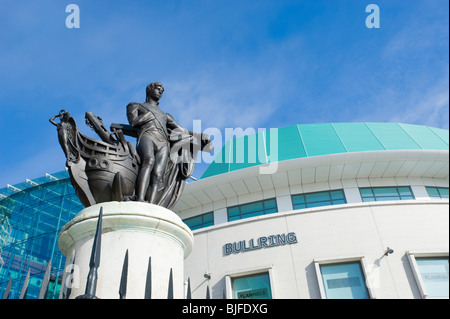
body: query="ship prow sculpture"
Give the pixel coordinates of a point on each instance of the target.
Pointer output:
(112, 169)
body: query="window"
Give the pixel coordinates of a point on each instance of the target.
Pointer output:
(434, 272)
(370, 194)
(342, 280)
(256, 286)
(200, 221)
(263, 207)
(326, 198)
(431, 273)
(437, 192)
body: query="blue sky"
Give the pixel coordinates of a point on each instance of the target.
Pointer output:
(246, 63)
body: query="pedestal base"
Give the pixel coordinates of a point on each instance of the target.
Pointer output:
(145, 230)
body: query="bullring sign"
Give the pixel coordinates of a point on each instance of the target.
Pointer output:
(261, 242)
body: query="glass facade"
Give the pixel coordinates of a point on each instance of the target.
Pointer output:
(434, 272)
(370, 194)
(437, 192)
(263, 207)
(344, 281)
(326, 198)
(252, 287)
(200, 221)
(35, 212)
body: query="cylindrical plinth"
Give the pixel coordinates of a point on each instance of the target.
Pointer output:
(145, 230)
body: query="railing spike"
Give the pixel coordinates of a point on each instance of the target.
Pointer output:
(170, 293)
(189, 294)
(91, 284)
(207, 292)
(8, 288)
(45, 281)
(124, 278)
(23, 293)
(148, 283)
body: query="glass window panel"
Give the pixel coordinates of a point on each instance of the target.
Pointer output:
(339, 201)
(444, 192)
(210, 223)
(231, 218)
(318, 204)
(251, 207)
(344, 281)
(385, 191)
(434, 272)
(208, 217)
(252, 214)
(233, 211)
(317, 197)
(437, 192)
(194, 221)
(194, 227)
(298, 199)
(270, 211)
(366, 192)
(299, 206)
(252, 287)
(338, 194)
(270, 203)
(199, 221)
(404, 191)
(385, 198)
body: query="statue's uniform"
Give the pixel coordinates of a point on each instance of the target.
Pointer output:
(153, 138)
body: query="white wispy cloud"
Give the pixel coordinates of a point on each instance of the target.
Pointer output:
(427, 107)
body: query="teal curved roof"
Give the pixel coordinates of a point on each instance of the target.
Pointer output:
(306, 140)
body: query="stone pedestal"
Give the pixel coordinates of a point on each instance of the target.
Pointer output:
(145, 230)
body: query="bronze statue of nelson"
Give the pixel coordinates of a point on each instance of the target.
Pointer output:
(114, 170)
(153, 144)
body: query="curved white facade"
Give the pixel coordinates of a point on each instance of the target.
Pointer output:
(292, 246)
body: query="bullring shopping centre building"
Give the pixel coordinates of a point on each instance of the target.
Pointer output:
(353, 210)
